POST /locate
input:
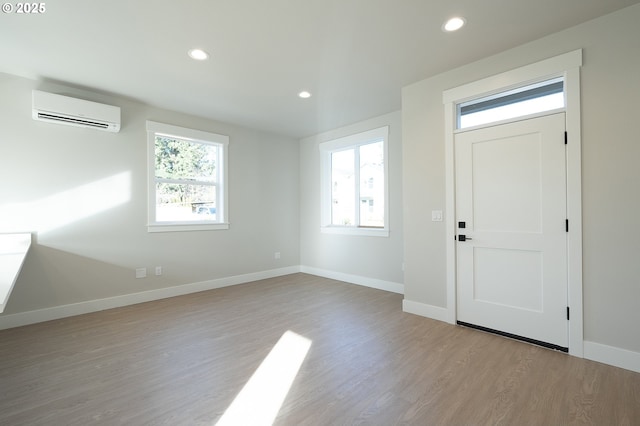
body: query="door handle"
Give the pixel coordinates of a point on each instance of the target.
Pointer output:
(463, 237)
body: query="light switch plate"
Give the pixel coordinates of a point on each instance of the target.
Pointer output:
(436, 215)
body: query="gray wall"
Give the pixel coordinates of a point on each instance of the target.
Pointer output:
(610, 173)
(371, 257)
(88, 247)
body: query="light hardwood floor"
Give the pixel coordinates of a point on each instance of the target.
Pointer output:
(182, 361)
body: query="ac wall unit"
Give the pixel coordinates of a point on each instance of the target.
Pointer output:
(60, 109)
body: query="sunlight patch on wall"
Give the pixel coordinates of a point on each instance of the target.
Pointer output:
(66, 207)
(259, 401)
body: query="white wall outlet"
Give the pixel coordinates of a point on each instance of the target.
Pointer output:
(141, 273)
(276, 255)
(158, 270)
(436, 215)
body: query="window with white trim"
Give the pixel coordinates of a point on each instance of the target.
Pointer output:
(187, 179)
(354, 184)
(544, 96)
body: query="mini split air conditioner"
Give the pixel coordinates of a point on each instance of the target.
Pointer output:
(60, 109)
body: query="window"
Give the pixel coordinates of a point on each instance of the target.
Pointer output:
(530, 99)
(187, 179)
(354, 184)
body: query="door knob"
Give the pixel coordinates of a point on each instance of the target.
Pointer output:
(463, 237)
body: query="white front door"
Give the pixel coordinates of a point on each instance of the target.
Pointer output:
(511, 209)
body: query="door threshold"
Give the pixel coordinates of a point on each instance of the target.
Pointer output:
(515, 337)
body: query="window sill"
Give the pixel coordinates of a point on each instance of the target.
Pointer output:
(187, 228)
(350, 230)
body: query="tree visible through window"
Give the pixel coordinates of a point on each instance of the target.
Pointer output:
(185, 180)
(187, 176)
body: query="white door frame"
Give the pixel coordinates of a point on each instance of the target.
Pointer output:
(566, 65)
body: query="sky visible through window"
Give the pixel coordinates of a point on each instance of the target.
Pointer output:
(361, 183)
(506, 112)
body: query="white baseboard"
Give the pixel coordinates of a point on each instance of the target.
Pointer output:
(622, 358)
(57, 312)
(355, 279)
(617, 357)
(424, 310)
(610, 355)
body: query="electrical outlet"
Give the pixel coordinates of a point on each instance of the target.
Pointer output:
(141, 273)
(158, 270)
(276, 255)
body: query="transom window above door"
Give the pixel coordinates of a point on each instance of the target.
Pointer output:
(523, 101)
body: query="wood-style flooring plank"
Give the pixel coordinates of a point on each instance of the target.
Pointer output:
(182, 361)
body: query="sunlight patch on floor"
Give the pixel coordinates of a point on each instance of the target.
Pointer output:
(259, 401)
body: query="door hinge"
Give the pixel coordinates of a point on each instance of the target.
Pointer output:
(566, 225)
(567, 313)
(566, 137)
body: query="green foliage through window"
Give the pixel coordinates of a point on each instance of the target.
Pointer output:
(185, 174)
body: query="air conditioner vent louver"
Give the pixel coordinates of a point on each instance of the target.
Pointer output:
(60, 109)
(74, 120)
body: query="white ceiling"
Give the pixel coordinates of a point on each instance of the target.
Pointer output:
(353, 55)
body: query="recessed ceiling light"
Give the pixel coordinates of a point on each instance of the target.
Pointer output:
(304, 94)
(453, 24)
(198, 54)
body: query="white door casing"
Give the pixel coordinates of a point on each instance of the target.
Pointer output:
(511, 196)
(567, 65)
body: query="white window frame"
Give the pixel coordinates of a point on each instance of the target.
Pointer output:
(160, 129)
(568, 66)
(340, 144)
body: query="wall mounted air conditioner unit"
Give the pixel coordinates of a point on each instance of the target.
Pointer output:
(75, 112)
